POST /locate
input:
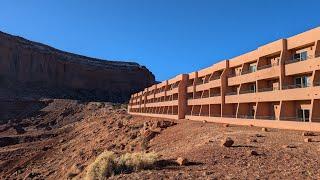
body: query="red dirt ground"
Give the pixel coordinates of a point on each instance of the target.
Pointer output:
(61, 139)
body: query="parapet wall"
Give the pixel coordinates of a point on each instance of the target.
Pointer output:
(277, 86)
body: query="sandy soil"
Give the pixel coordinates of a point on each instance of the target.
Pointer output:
(59, 140)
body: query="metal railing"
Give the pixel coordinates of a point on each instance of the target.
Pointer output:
(266, 117)
(229, 116)
(316, 84)
(245, 116)
(294, 118)
(214, 78)
(247, 91)
(294, 86)
(215, 115)
(268, 66)
(268, 89)
(231, 93)
(232, 74)
(294, 60)
(248, 71)
(205, 96)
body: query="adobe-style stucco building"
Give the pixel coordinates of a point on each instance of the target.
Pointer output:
(277, 85)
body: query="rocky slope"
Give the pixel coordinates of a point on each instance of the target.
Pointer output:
(30, 69)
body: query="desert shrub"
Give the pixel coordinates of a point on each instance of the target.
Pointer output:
(107, 164)
(136, 161)
(102, 167)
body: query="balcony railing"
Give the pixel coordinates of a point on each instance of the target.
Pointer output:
(294, 86)
(199, 82)
(248, 71)
(266, 117)
(316, 84)
(247, 91)
(229, 116)
(268, 66)
(268, 89)
(214, 78)
(298, 59)
(246, 116)
(215, 115)
(230, 75)
(205, 96)
(294, 118)
(231, 93)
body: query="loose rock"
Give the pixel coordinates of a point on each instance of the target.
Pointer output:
(226, 125)
(308, 133)
(227, 142)
(307, 140)
(182, 161)
(253, 153)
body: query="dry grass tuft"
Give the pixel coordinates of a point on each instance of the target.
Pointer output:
(102, 167)
(107, 164)
(136, 161)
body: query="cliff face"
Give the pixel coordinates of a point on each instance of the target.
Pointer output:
(32, 69)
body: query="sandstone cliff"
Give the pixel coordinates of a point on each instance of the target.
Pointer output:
(30, 69)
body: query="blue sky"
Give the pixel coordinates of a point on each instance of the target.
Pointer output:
(169, 37)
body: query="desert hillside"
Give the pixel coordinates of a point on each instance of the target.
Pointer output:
(34, 70)
(60, 138)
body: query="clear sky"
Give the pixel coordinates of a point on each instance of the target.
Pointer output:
(169, 37)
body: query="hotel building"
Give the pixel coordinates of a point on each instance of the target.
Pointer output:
(277, 86)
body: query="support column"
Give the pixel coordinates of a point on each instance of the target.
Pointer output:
(224, 85)
(284, 56)
(182, 96)
(316, 52)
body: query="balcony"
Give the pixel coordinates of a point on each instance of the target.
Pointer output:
(302, 66)
(247, 91)
(245, 117)
(231, 93)
(160, 94)
(213, 99)
(163, 103)
(268, 66)
(295, 86)
(263, 72)
(210, 84)
(172, 91)
(266, 117)
(268, 89)
(298, 59)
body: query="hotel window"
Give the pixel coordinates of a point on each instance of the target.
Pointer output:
(301, 56)
(253, 68)
(302, 81)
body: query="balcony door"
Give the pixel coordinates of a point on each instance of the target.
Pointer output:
(302, 81)
(253, 68)
(304, 114)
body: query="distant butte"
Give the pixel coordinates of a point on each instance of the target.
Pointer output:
(34, 70)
